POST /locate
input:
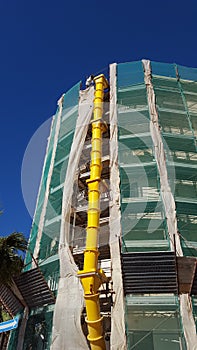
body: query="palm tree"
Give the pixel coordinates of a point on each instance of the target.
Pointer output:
(12, 263)
(11, 260)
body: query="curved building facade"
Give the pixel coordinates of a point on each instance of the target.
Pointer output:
(148, 214)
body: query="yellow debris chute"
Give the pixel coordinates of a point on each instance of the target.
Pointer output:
(92, 277)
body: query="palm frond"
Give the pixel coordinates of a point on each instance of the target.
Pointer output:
(15, 241)
(11, 261)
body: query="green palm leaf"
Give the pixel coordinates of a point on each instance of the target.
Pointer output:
(11, 261)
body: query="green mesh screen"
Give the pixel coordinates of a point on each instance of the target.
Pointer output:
(187, 73)
(39, 330)
(142, 213)
(153, 323)
(177, 107)
(51, 230)
(163, 69)
(39, 327)
(40, 200)
(130, 73)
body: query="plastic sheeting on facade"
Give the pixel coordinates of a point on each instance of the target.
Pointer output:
(67, 332)
(169, 204)
(42, 215)
(118, 337)
(188, 322)
(39, 202)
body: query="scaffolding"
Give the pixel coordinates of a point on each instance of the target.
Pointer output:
(148, 212)
(157, 109)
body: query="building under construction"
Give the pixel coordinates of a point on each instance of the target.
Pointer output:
(112, 253)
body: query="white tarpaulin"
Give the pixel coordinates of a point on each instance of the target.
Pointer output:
(168, 199)
(118, 337)
(67, 332)
(188, 322)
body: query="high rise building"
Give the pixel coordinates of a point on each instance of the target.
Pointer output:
(148, 214)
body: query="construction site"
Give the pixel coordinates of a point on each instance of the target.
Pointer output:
(112, 254)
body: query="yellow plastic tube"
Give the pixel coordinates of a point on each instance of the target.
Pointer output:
(91, 277)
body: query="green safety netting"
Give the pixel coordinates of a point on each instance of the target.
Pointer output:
(50, 237)
(142, 213)
(153, 322)
(40, 200)
(187, 73)
(38, 330)
(130, 73)
(173, 70)
(52, 215)
(143, 217)
(178, 120)
(39, 327)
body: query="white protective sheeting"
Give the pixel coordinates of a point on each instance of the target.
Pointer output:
(188, 322)
(44, 206)
(67, 333)
(118, 336)
(169, 204)
(168, 199)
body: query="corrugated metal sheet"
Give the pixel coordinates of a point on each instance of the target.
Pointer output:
(153, 272)
(34, 288)
(9, 300)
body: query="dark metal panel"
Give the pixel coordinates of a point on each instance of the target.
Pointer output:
(34, 288)
(153, 272)
(9, 300)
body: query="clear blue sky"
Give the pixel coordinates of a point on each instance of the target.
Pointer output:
(48, 46)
